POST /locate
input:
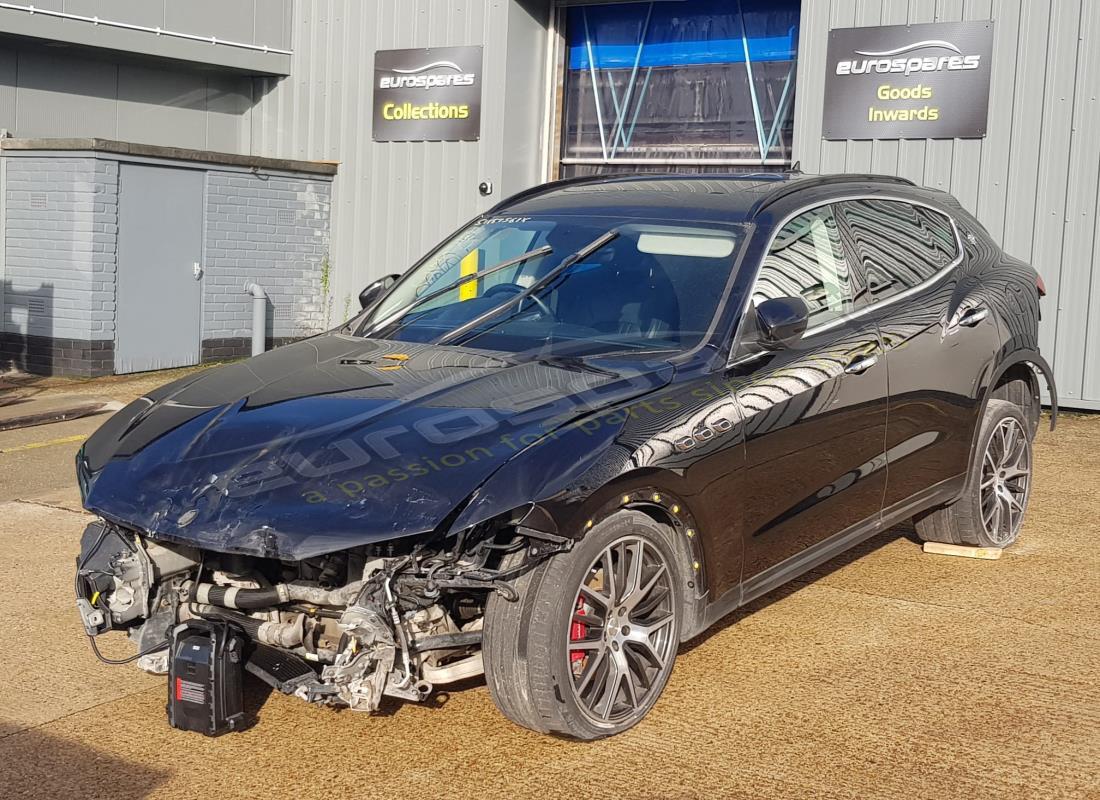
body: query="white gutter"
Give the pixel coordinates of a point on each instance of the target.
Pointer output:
(49, 12)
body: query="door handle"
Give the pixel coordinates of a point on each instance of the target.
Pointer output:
(861, 364)
(973, 316)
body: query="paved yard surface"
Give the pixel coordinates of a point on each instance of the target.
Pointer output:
(888, 673)
(16, 387)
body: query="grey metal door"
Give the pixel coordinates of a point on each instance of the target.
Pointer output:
(159, 303)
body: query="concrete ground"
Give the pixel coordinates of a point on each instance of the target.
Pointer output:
(30, 400)
(18, 386)
(887, 673)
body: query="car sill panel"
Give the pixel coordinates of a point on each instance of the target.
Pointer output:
(817, 554)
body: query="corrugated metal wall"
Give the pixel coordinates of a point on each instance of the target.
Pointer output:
(392, 201)
(1033, 181)
(53, 94)
(254, 22)
(259, 21)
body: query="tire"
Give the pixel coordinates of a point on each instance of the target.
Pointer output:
(991, 510)
(553, 671)
(1024, 394)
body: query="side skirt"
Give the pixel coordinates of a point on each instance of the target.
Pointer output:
(817, 554)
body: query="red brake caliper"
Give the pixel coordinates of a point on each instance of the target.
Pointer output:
(577, 633)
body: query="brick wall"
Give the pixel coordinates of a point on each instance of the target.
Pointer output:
(61, 231)
(272, 230)
(60, 248)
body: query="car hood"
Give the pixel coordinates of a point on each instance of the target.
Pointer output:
(335, 441)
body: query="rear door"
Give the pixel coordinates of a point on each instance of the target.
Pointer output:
(938, 335)
(815, 413)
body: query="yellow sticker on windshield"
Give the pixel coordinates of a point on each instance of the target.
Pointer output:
(468, 266)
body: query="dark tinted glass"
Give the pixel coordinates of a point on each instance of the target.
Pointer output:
(655, 286)
(694, 80)
(807, 260)
(899, 245)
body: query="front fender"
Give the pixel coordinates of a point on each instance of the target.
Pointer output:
(571, 479)
(567, 464)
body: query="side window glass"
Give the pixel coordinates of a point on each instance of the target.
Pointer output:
(899, 245)
(807, 260)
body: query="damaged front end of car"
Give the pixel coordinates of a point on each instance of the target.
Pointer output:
(334, 528)
(344, 629)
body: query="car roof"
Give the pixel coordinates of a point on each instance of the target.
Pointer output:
(718, 197)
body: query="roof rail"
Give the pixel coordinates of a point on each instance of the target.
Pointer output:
(798, 183)
(615, 177)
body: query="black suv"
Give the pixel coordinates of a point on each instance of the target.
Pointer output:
(591, 423)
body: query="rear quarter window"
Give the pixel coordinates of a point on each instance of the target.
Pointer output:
(899, 245)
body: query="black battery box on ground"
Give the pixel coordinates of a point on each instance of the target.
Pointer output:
(204, 677)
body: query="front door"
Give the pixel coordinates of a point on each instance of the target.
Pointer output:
(814, 413)
(159, 302)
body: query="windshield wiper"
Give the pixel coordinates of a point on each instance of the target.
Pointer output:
(574, 364)
(511, 262)
(569, 261)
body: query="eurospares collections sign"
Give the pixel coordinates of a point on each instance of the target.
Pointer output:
(908, 81)
(431, 94)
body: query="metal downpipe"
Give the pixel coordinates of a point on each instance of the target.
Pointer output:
(259, 317)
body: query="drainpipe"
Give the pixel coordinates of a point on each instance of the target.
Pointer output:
(259, 317)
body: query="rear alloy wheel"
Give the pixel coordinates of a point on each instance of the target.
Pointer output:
(991, 510)
(590, 644)
(1006, 481)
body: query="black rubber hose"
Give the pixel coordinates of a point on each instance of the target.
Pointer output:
(245, 598)
(249, 625)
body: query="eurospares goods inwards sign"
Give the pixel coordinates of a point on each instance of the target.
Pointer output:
(908, 81)
(432, 94)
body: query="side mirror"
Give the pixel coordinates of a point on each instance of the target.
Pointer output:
(781, 321)
(374, 291)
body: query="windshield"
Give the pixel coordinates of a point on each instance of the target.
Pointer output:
(587, 286)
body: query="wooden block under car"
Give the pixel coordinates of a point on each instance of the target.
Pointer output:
(987, 553)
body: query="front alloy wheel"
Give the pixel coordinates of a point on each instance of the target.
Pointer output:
(620, 636)
(589, 646)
